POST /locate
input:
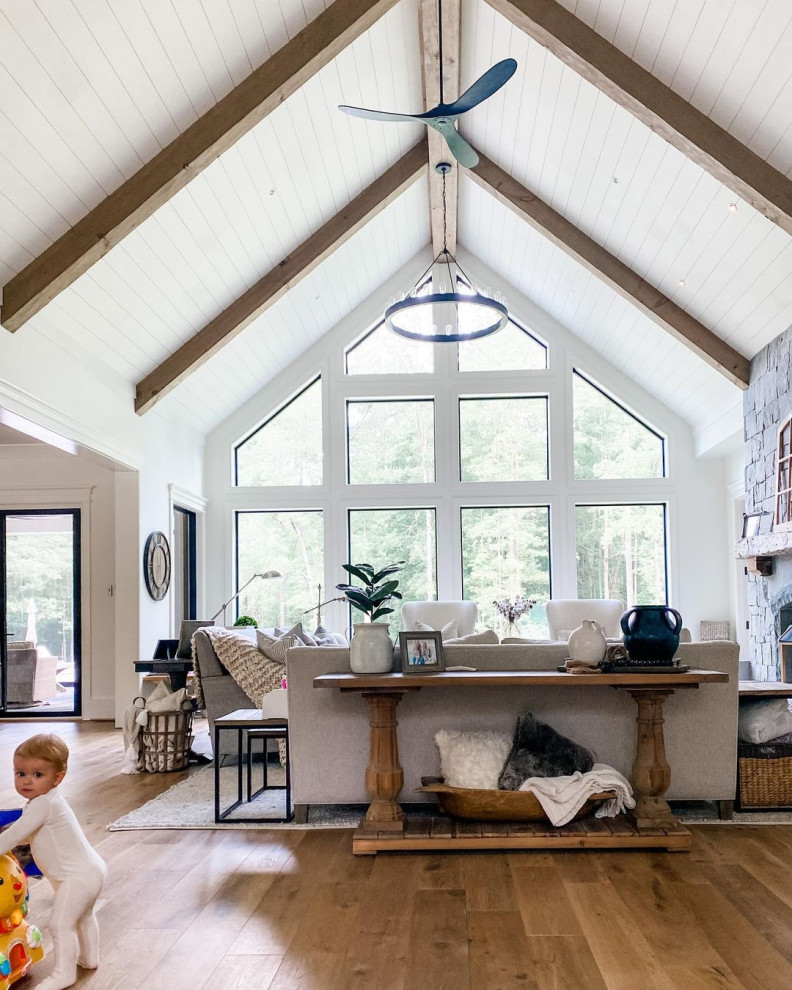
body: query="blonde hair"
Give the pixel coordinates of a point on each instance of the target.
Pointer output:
(47, 747)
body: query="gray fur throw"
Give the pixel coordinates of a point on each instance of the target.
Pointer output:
(539, 751)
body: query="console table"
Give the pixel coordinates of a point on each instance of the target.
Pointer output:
(651, 824)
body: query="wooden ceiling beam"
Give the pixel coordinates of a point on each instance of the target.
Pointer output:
(301, 262)
(648, 299)
(170, 170)
(438, 149)
(658, 106)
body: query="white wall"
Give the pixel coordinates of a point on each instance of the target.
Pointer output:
(700, 541)
(38, 476)
(41, 378)
(171, 455)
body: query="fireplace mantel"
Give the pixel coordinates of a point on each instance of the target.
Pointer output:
(758, 551)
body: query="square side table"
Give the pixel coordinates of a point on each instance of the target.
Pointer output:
(247, 722)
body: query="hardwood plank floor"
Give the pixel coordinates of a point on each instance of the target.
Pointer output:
(294, 910)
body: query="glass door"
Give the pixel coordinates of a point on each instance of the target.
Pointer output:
(40, 610)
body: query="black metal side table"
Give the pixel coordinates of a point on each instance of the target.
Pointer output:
(250, 726)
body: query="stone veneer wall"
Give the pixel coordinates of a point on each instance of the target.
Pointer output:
(766, 404)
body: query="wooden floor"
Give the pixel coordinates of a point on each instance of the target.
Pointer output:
(271, 910)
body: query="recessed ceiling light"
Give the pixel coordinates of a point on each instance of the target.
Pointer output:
(732, 207)
(681, 283)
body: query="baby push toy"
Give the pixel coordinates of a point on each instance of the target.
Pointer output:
(20, 942)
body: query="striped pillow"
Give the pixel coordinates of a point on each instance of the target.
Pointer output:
(275, 649)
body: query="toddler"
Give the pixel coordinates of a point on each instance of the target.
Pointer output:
(73, 867)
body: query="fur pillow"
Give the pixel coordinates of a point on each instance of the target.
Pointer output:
(539, 751)
(449, 630)
(472, 759)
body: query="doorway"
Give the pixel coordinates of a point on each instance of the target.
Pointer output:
(184, 562)
(40, 610)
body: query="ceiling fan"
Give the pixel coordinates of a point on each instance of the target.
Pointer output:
(444, 116)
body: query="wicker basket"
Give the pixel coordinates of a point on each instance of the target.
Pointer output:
(166, 740)
(765, 775)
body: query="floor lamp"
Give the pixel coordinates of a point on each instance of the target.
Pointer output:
(224, 606)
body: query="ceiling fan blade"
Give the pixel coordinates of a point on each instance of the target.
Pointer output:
(378, 114)
(458, 146)
(484, 86)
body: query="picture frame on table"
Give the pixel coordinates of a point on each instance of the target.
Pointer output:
(421, 652)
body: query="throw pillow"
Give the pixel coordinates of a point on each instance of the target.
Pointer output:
(482, 638)
(472, 759)
(324, 637)
(449, 630)
(539, 751)
(761, 721)
(275, 649)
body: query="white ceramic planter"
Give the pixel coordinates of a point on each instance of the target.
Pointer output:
(587, 643)
(371, 650)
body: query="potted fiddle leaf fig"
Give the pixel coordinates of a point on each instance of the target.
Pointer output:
(373, 598)
(371, 650)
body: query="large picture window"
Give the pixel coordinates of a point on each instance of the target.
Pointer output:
(621, 553)
(287, 448)
(383, 536)
(289, 542)
(506, 553)
(609, 441)
(390, 442)
(503, 439)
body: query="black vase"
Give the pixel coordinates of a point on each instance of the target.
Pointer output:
(651, 633)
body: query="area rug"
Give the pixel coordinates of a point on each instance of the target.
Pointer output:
(706, 813)
(190, 804)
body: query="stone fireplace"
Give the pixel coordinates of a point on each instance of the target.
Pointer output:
(767, 403)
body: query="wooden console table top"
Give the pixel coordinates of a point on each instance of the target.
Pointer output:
(508, 678)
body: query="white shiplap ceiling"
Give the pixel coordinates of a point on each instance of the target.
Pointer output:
(92, 89)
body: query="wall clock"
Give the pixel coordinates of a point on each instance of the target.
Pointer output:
(157, 565)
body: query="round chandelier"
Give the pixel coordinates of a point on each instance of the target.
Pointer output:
(440, 311)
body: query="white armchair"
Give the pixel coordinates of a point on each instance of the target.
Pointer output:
(437, 614)
(566, 614)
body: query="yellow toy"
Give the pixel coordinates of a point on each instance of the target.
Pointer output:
(20, 942)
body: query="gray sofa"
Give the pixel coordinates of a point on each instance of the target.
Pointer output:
(329, 734)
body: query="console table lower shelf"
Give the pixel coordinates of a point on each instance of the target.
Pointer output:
(650, 825)
(441, 833)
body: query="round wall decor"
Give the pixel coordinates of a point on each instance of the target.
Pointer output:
(157, 565)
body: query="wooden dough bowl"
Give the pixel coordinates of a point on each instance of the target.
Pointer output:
(495, 805)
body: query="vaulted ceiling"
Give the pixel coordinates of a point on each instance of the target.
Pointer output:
(299, 217)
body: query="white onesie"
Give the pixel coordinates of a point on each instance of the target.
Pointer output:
(77, 873)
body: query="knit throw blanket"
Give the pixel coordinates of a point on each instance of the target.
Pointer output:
(256, 673)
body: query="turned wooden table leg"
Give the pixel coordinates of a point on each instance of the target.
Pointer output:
(384, 775)
(651, 774)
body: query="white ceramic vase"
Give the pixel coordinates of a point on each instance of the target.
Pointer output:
(371, 650)
(587, 643)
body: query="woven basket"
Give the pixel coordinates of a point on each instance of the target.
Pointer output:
(496, 805)
(167, 739)
(765, 775)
